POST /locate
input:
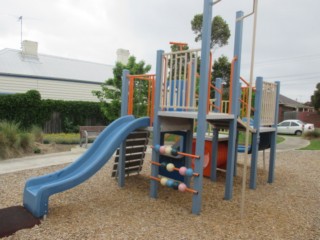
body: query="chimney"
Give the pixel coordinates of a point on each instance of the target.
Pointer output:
(29, 49)
(123, 56)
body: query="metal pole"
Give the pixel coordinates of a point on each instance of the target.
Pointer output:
(244, 177)
(202, 107)
(20, 18)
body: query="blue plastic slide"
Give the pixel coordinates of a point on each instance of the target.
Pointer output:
(38, 190)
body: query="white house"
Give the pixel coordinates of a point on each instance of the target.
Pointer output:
(54, 77)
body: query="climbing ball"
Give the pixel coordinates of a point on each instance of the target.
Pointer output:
(156, 147)
(169, 183)
(182, 187)
(162, 149)
(168, 150)
(170, 167)
(175, 185)
(163, 164)
(174, 151)
(182, 171)
(189, 172)
(163, 181)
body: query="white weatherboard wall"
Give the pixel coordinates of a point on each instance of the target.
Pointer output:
(54, 77)
(51, 89)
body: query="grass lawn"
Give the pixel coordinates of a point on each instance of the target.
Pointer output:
(241, 138)
(314, 145)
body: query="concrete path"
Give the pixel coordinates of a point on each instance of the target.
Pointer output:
(39, 161)
(292, 143)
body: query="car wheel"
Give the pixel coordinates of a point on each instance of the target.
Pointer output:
(298, 133)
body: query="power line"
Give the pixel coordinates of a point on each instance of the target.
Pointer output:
(301, 75)
(288, 60)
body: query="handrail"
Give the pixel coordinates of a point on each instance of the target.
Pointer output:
(243, 80)
(151, 92)
(249, 14)
(209, 82)
(231, 80)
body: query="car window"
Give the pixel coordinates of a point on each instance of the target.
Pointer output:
(300, 122)
(284, 124)
(294, 124)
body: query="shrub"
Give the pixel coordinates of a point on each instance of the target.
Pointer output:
(312, 135)
(13, 142)
(10, 131)
(26, 141)
(62, 138)
(37, 132)
(36, 150)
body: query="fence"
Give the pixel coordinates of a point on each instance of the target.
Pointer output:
(308, 117)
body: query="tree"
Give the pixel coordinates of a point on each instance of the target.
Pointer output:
(110, 94)
(220, 31)
(315, 98)
(221, 69)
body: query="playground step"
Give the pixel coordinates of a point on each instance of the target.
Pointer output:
(136, 146)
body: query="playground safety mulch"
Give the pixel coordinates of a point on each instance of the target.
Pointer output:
(98, 209)
(15, 218)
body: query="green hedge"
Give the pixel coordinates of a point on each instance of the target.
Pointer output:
(28, 109)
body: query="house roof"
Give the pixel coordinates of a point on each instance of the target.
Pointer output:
(290, 102)
(13, 62)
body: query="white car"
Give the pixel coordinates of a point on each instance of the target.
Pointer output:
(295, 127)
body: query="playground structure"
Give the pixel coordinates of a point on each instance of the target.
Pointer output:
(179, 104)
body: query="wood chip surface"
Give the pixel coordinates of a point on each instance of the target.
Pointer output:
(98, 209)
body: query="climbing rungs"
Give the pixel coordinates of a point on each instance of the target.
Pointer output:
(134, 142)
(133, 150)
(134, 153)
(128, 171)
(139, 134)
(129, 164)
(131, 157)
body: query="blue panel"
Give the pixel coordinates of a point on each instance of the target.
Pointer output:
(38, 190)
(177, 161)
(176, 100)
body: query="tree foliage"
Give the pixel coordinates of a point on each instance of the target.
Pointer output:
(221, 69)
(315, 98)
(110, 94)
(29, 109)
(220, 32)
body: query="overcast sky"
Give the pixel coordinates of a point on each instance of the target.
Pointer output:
(287, 48)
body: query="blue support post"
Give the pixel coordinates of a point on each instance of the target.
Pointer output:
(193, 74)
(217, 94)
(156, 126)
(235, 169)
(234, 108)
(124, 111)
(189, 140)
(256, 135)
(274, 138)
(202, 106)
(215, 137)
(214, 160)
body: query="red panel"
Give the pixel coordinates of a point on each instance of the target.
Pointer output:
(222, 155)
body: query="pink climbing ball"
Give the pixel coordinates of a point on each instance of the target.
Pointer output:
(163, 181)
(182, 187)
(162, 149)
(182, 171)
(170, 167)
(168, 150)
